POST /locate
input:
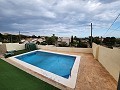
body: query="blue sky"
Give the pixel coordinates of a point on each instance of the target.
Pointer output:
(60, 17)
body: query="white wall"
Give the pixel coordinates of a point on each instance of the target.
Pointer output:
(109, 58)
(66, 49)
(17, 46)
(14, 46)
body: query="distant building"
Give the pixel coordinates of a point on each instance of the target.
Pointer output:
(63, 39)
(23, 41)
(32, 40)
(6, 34)
(40, 40)
(84, 41)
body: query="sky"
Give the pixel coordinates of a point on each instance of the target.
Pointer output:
(60, 17)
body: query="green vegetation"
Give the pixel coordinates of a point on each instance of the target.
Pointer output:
(82, 44)
(96, 40)
(9, 38)
(16, 53)
(30, 46)
(51, 40)
(20, 52)
(38, 43)
(43, 43)
(109, 41)
(12, 78)
(63, 44)
(71, 39)
(78, 42)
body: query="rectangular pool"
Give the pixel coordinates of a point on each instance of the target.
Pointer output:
(54, 68)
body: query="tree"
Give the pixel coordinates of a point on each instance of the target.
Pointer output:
(38, 42)
(113, 40)
(39, 36)
(96, 40)
(75, 38)
(43, 43)
(63, 44)
(118, 41)
(82, 44)
(1, 37)
(71, 39)
(33, 36)
(71, 43)
(51, 40)
(109, 41)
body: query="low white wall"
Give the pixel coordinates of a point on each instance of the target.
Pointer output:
(109, 58)
(66, 49)
(82, 50)
(17, 46)
(14, 46)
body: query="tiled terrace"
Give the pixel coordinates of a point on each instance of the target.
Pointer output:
(92, 75)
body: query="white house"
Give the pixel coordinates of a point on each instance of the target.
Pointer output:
(64, 39)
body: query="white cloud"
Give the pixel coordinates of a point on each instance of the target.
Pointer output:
(58, 16)
(92, 5)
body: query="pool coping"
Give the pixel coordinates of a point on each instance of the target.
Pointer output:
(47, 76)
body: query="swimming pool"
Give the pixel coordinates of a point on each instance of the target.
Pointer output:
(57, 69)
(54, 63)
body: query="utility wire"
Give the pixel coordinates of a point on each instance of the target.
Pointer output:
(115, 30)
(112, 24)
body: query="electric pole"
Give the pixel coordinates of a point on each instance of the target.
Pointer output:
(91, 36)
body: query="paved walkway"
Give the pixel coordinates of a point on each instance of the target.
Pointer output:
(92, 75)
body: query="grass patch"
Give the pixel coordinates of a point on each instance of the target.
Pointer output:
(12, 78)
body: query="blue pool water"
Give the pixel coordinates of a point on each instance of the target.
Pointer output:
(54, 63)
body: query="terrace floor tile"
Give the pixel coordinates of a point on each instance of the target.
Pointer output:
(92, 75)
